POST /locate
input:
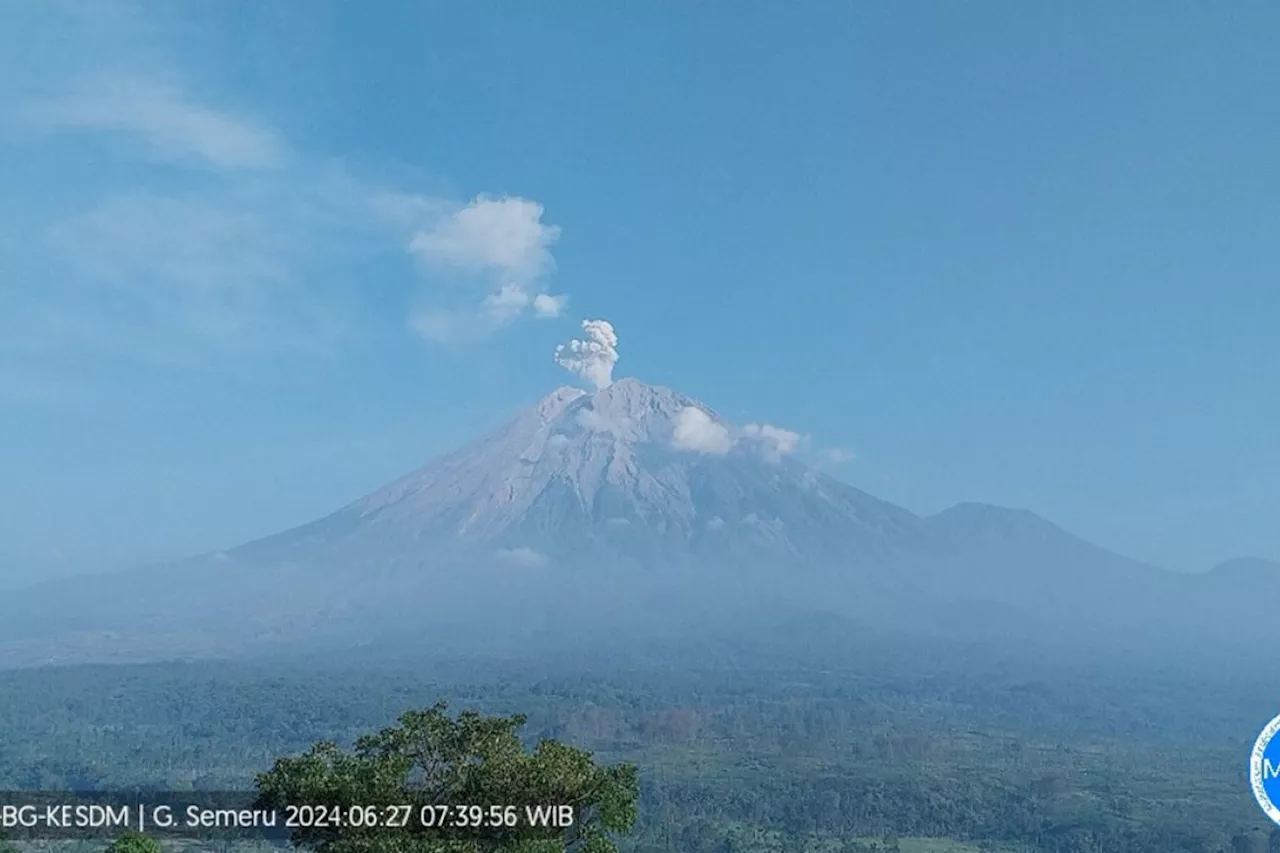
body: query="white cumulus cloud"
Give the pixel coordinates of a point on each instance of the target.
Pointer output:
(507, 304)
(211, 232)
(774, 440)
(593, 356)
(546, 305)
(505, 235)
(500, 245)
(697, 431)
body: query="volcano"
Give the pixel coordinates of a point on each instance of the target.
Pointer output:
(631, 512)
(618, 475)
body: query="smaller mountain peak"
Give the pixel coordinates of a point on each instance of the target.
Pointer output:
(990, 517)
(979, 510)
(1248, 567)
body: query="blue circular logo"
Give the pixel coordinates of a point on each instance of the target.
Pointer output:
(1264, 770)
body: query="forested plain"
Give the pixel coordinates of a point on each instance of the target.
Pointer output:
(914, 750)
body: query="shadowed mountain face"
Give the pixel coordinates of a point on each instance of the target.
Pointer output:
(634, 512)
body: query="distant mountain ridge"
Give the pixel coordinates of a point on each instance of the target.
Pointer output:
(632, 512)
(1248, 567)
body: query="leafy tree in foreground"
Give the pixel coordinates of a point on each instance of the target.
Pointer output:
(431, 760)
(134, 842)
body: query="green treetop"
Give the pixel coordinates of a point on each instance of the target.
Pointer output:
(431, 758)
(134, 842)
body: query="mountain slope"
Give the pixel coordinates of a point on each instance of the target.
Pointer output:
(630, 513)
(587, 476)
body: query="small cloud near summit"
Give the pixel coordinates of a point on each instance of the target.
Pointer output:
(593, 357)
(776, 441)
(696, 430)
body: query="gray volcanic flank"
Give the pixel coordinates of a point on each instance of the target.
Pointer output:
(631, 512)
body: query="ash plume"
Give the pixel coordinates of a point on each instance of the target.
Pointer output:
(593, 357)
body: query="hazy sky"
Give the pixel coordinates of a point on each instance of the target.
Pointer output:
(258, 258)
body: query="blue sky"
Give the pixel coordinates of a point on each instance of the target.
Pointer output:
(260, 258)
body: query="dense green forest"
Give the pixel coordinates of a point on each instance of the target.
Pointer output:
(752, 757)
